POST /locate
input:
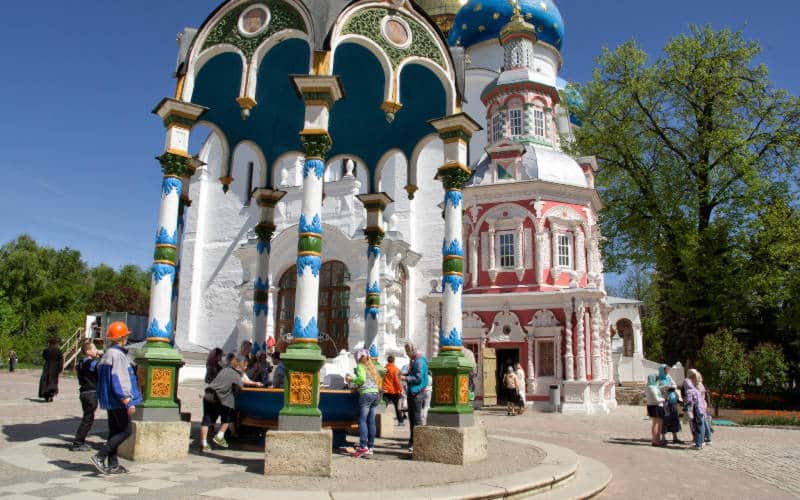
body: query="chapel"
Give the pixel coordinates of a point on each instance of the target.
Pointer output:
(532, 285)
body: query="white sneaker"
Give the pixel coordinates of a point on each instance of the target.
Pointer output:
(370, 451)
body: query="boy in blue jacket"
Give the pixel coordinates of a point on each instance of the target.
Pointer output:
(118, 392)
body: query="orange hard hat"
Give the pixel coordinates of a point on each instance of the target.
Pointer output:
(117, 330)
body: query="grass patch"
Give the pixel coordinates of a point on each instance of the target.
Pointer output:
(790, 421)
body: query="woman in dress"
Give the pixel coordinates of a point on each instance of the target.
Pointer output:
(53, 366)
(669, 392)
(520, 373)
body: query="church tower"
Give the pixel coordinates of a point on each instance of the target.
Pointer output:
(443, 12)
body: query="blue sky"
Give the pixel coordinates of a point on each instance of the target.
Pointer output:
(77, 140)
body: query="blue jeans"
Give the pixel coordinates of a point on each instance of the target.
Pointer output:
(367, 404)
(700, 425)
(706, 429)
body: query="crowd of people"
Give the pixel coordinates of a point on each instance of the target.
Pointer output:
(665, 402)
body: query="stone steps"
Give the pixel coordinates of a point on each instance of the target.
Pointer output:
(589, 480)
(630, 395)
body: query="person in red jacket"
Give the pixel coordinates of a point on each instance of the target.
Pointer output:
(393, 388)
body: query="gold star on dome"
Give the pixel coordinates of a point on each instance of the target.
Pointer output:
(464, 26)
(528, 16)
(543, 6)
(478, 8)
(496, 15)
(555, 26)
(481, 28)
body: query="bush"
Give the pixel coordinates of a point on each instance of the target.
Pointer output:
(769, 367)
(723, 365)
(772, 420)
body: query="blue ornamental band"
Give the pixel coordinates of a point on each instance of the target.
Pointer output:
(171, 184)
(452, 339)
(317, 166)
(312, 261)
(310, 331)
(154, 331)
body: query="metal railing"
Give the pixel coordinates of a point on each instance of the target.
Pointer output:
(71, 348)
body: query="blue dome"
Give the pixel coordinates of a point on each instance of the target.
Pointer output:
(481, 20)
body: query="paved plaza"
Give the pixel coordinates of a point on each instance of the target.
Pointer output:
(35, 462)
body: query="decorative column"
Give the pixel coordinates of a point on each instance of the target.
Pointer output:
(531, 377)
(492, 255)
(473, 258)
(184, 204)
(267, 199)
(158, 362)
(450, 403)
(596, 349)
(580, 318)
(303, 359)
(375, 205)
(569, 372)
(541, 251)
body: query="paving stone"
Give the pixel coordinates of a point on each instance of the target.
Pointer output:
(20, 497)
(86, 495)
(184, 478)
(122, 490)
(64, 480)
(91, 484)
(155, 484)
(23, 487)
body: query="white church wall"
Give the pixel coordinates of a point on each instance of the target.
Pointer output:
(477, 80)
(429, 229)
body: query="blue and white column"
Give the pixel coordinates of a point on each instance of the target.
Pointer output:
(267, 199)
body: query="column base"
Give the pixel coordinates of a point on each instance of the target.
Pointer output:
(295, 453)
(451, 419)
(450, 445)
(299, 423)
(156, 414)
(576, 398)
(157, 441)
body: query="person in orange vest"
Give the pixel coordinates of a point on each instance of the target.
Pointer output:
(118, 392)
(393, 388)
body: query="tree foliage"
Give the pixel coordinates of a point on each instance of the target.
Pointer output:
(690, 147)
(723, 364)
(42, 288)
(768, 368)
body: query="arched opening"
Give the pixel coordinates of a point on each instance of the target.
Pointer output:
(333, 310)
(625, 331)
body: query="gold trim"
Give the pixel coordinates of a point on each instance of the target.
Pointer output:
(163, 245)
(306, 341)
(170, 176)
(322, 62)
(179, 152)
(167, 262)
(179, 86)
(453, 257)
(453, 273)
(247, 103)
(451, 140)
(307, 235)
(451, 348)
(314, 102)
(314, 131)
(180, 126)
(309, 252)
(157, 339)
(391, 106)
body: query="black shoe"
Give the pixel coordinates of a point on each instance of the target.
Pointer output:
(98, 464)
(117, 469)
(80, 447)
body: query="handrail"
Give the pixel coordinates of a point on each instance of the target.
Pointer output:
(71, 347)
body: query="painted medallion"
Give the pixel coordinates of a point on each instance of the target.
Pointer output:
(396, 32)
(254, 20)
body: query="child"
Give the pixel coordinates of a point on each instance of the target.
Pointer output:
(87, 379)
(219, 401)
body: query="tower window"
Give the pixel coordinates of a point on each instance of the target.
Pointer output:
(564, 251)
(515, 117)
(497, 127)
(538, 122)
(507, 254)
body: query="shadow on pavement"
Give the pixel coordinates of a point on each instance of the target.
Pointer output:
(629, 441)
(49, 429)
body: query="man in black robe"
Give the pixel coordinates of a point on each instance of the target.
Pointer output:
(53, 366)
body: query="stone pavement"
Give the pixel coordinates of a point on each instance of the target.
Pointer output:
(34, 461)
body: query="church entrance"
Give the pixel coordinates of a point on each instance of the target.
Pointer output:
(334, 306)
(505, 358)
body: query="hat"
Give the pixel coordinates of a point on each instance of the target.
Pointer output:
(117, 330)
(361, 353)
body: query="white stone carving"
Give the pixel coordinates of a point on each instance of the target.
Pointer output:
(544, 318)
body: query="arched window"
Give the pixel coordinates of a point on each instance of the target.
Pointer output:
(625, 330)
(334, 306)
(497, 127)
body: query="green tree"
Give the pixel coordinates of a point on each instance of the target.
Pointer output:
(723, 365)
(768, 367)
(688, 147)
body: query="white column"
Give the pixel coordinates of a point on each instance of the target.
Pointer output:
(375, 205)
(580, 251)
(267, 199)
(531, 377)
(596, 349)
(473, 260)
(541, 249)
(569, 372)
(492, 256)
(580, 318)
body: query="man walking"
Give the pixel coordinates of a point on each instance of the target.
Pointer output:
(118, 392)
(87, 380)
(417, 382)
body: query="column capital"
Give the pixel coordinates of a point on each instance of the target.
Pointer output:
(316, 143)
(454, 175)
(268, 198)
(460, 125)
(375, 201)
(177, 113)
(374, 236)
(178, 164)
(318, 90)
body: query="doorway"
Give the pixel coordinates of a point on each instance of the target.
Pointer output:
(505, 358)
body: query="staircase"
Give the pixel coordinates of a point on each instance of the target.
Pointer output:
(71, 348)
(630, 394)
